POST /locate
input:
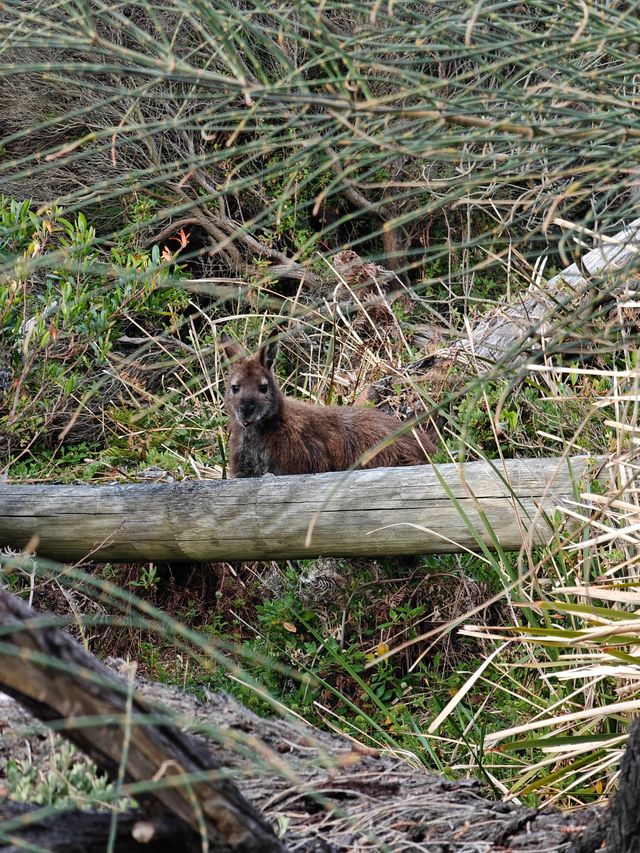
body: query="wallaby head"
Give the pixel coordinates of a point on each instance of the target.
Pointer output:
(253, 397)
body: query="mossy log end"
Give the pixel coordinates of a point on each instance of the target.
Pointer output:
(377, 512)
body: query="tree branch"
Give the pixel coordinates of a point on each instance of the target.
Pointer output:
(56, 679)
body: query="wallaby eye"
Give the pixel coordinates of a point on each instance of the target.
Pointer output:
(235, 389)
(263, 387)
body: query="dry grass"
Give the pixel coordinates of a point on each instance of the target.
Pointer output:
(366, 201)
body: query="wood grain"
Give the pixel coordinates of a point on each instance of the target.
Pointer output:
(377, 512)
(52, 676)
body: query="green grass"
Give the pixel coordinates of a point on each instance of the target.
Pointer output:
(116, 376)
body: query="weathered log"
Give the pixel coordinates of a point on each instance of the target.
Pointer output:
(73, 831)
(623, 826)
(514, 331)
(49, 673)
(377, 512)
(331, 795)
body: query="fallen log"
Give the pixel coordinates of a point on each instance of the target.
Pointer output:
(514, 332)
(330, 794)
(376, 512)
(49, 673)
(73, 831)
(623, 824)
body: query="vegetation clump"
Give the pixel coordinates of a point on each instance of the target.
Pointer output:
(372, 184)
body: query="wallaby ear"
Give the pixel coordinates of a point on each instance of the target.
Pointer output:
(267, 354)
(232, 349)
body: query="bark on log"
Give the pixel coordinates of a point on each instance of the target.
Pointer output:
(381, 511)
(72, 831)
(49, 673)
(332, 795)
(512, 332)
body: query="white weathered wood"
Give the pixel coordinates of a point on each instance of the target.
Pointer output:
(377, 512)
(497, 333)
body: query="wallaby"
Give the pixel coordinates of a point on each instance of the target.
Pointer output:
(273, 434)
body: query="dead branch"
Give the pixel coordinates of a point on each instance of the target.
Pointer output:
(333, 795)
(55, 679)
(514, 331)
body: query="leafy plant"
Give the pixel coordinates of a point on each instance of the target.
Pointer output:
(148, 580)
(71, 781)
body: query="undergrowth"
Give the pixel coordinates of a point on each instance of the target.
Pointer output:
(368, 182)
(72, 780)
(112, 373)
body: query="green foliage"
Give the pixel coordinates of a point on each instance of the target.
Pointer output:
(533, 419)
(292, 197)
(66, 465)
(18, 224)
(71, 781)
(148, 580)
(298, 659)
(61, 330)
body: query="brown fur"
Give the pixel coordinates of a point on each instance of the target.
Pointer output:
(273, 434)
